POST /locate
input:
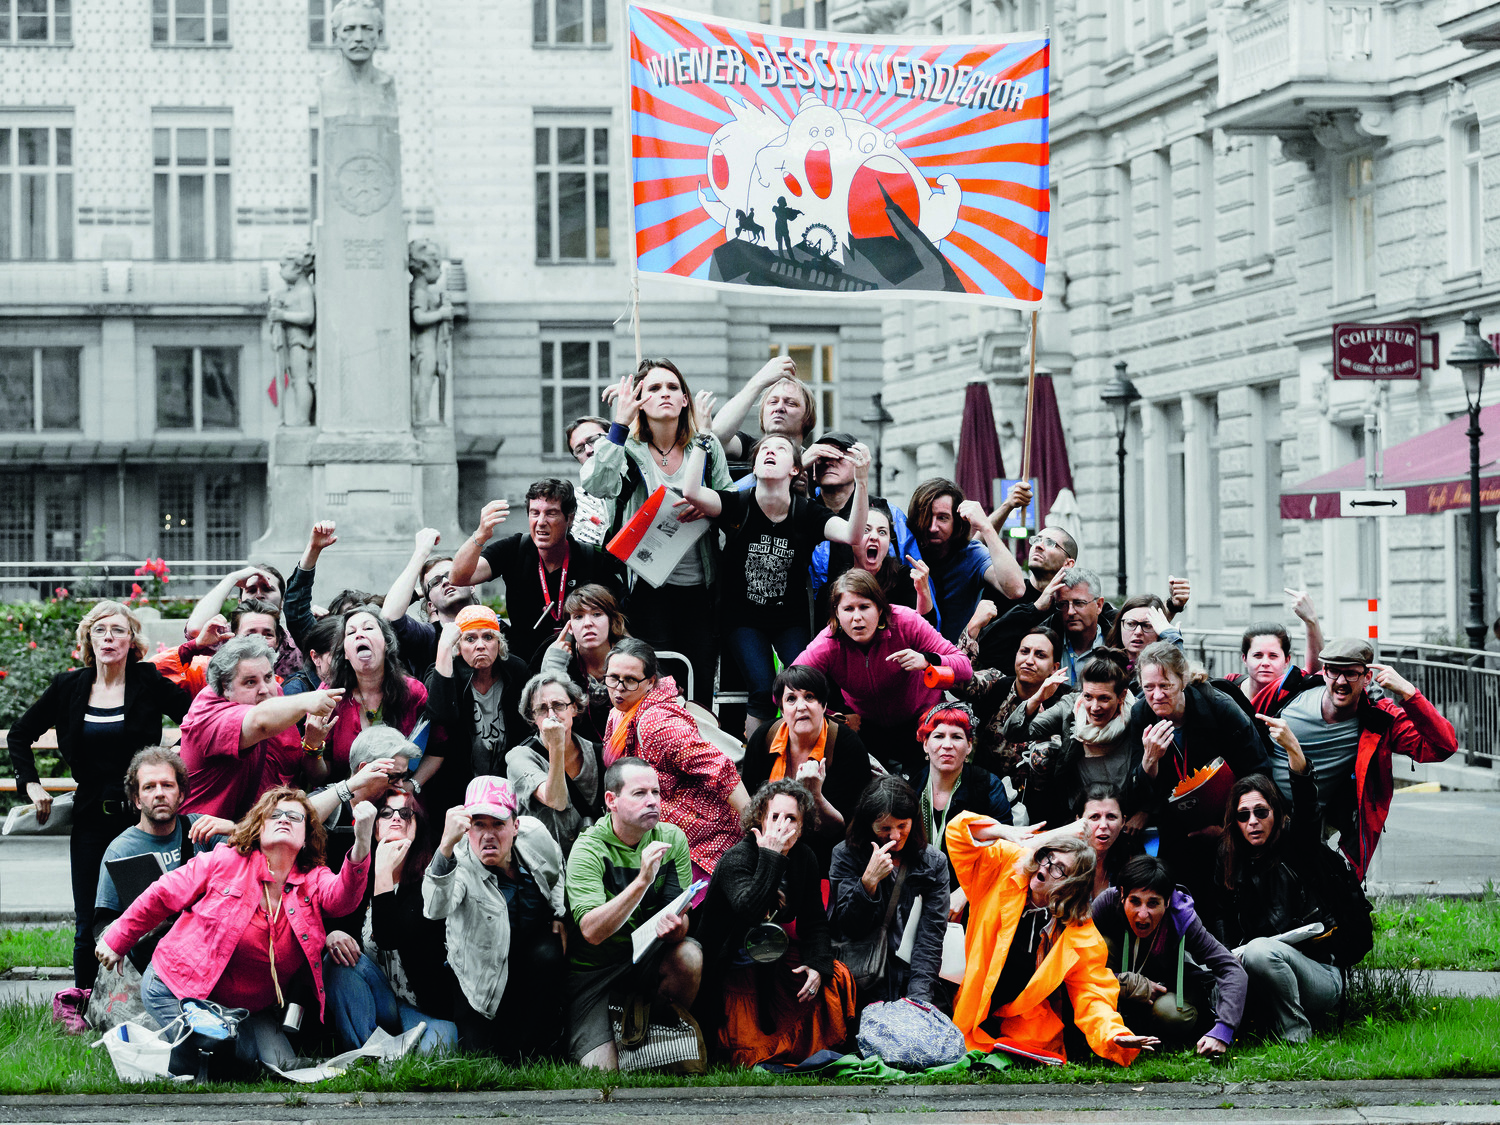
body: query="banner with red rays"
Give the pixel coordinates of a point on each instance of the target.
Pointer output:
(839, 164)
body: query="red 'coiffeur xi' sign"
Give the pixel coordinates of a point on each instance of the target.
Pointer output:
(1377, 351)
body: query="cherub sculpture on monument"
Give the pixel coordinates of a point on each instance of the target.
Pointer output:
(356, 87)
(292, 314)
(431, 331)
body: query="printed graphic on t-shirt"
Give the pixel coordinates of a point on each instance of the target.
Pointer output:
(768, 561)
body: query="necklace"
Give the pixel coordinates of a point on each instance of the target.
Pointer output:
(663, 454)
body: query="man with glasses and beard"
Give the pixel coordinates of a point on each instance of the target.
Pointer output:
(1349, 737)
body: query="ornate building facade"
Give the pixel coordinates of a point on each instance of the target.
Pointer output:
(1229, 181)
(158, 156)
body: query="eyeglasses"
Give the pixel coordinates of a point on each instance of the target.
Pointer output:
(1045, 541)
(1052, 869)
(103, 631)
(558, 709)
(1135, 626)
(587, 444)
(286, 814)
(388, 812)
(1259, 812)
(629, 683)
(1348, 675)
(1079, 604)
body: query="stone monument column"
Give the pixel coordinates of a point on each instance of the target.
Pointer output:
(361, 463)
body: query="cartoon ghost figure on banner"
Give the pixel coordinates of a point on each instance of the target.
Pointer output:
(824, 173)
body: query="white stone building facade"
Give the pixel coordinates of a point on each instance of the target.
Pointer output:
(157, 157)
(1230, 180)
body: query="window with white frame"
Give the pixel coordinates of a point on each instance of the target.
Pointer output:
(39, 389)
(26, 22)
(810, 14)
(1207, 215)
(313, 159)
(1164, 227)
(574, 372)
(192, 213)
(36, 188)
(816, 355)
(1124, 224)
(200, 515)
(190, 23)
(1466, 200)
(1262, 217)
(1355, 229)
(41, 516)
(569, 23)
(197, 389)
(320, 29)
(572, 188)
(1265, 466)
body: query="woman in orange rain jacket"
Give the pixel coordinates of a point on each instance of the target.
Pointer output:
(1031, 934)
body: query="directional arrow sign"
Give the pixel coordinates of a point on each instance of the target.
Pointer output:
(1389, 502)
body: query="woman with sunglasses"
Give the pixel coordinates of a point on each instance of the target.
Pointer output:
(1268, 883)
(771, 990)
(103, 713)
(556, 773)
(1031, 933)
(389, 977)
(250, 924)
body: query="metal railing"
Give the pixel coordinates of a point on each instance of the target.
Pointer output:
(1464, 685)
(110, 578)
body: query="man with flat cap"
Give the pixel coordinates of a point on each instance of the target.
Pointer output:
(1349, 738)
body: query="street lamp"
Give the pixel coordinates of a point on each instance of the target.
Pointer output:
(1471, 355)
(1119, 393)
(880, 418)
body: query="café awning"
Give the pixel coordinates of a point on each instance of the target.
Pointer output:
(1432, 468)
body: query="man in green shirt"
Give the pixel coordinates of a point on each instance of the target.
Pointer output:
(621, 871)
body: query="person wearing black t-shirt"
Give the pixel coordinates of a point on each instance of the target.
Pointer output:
(770, 535)
(540, 568)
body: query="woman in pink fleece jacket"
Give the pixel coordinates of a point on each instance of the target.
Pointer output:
(878, 655)
(251, 921)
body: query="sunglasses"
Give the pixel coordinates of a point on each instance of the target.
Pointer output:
(405, 814)
(1259, 812)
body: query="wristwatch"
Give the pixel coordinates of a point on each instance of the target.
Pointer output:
(416, 787)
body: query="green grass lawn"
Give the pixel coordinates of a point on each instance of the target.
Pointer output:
(1439, 933)
(1409, 1035)
(26, 946)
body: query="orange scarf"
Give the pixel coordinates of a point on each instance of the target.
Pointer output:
(780, 742)
(615, 748)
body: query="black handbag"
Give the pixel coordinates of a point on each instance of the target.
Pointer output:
(866, 957)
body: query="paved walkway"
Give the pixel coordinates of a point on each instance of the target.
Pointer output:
(1292, 1103)
(1438, 844)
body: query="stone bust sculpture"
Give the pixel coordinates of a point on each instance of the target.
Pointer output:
(356, 87)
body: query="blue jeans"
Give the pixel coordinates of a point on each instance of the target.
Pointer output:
(260, 1036)
(751, 649)
(361, 999)
(1290, 985)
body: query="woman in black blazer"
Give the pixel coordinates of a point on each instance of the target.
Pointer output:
(103, 712)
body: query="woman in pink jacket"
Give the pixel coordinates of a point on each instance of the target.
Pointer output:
(879, 654)
(251, 920)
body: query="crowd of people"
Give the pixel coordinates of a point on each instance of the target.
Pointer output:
(531, 834)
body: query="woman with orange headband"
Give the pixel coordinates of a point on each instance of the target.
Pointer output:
(474, 694)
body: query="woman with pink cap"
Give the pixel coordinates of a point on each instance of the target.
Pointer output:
(497, 879)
